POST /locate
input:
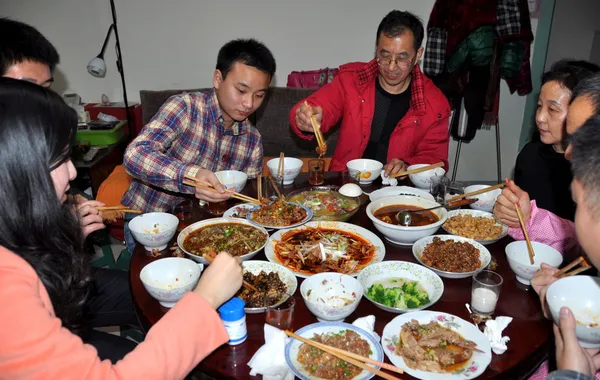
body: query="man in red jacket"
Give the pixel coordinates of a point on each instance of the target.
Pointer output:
(390, 111)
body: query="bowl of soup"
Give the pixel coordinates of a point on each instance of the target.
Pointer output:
(382, 213)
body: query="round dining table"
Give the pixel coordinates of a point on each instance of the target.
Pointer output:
(530, 333)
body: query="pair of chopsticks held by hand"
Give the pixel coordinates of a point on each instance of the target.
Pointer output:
(524, 228)
(322, 148)
(191, 181)
(210, 257)
(350, 357)
(564, 272)
(112, 213)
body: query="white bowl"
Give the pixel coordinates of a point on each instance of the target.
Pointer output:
(326, 295)
(154, 230)
(168, 279)
(369, 169)
(581, 294)
(431, 282)
(423, 180)
(207, 222)
(518, 259)
(388, 191)
(401, 234)
(486, 201)
(484, 255)
(291, 168)
(232, 179)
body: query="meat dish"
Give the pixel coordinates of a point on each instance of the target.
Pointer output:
(451, 256)
(236, 238)
(316, 250)
(327, 366)
(433, 348)
(387, 214)
(278, 214)
(326, 204)
(271, 290)
(472, 227)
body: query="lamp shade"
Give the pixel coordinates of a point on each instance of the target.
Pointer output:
(97, 67)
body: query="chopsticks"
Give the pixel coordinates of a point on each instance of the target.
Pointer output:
(350, 357)
(246, 284)
(280, 169)
(564, 271)
(522, 223)
(418, 170)
(192, 182)
(118, 209)
(259, 187)
(498, 186)
(322, 148)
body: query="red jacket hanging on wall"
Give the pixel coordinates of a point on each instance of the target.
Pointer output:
(421, 137)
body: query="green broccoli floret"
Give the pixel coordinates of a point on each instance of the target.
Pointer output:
(377, 293)
(423, 297)
(401, 302)
(410, 287)
(412, 301)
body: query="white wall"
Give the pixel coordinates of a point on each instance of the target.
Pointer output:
(573, 28)
(173, 44)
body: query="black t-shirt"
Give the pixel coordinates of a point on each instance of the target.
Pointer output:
(546, 175)
(389, 110)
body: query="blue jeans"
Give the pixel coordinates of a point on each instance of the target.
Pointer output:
(130, 242)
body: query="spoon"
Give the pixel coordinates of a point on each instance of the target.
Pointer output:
(405, 219)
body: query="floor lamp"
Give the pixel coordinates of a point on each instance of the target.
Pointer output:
(97, 66)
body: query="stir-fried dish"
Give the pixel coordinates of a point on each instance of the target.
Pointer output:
(474, 227)
(271, 290)
(279, 214)
(387, 214)
(324, 203)
(316, 250)
(399, 292)
(451, 256)
(433, 348)
(236, 238)
(324, 365)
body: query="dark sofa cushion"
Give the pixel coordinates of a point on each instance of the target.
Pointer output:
(271, 119)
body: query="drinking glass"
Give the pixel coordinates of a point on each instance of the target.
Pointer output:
(485, 292)
(316, 172)
(269, 190)
(453, 189)
(183, 212)
(437, 187)
(281, 316)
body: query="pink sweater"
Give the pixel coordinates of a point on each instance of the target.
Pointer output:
(34, 345)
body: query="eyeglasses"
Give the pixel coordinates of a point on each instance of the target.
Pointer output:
(400, 62)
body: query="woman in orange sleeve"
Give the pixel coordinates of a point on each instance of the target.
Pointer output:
(44, 277)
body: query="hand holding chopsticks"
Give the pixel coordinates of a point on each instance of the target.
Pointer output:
(418, 170)
(350, 357)
(191, 181)
(322, 148)
(118, 209)
(564, 272)
(247, 285)
(524, 228)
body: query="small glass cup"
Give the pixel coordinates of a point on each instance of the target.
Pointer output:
(281, 316)
(349, 178)
(437, 187)
(183, 212)
(316, 172)
(217, 208)
(453, 189)
(485, 292)
(269, 190)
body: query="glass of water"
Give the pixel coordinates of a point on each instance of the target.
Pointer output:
(437, 187)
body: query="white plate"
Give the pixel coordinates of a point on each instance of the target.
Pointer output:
(286, 276)
(293, 346)
(476, 214)
(347, 227)
(484, 255)
(431, 282)
(477, 364)
(308, 217)
(233, 211)
(390, 191)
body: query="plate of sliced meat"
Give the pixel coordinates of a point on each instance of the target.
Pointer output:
(435, 346)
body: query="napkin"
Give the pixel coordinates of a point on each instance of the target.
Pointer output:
(269, 360)
(368, 324)
(388, 181)
(493, 331)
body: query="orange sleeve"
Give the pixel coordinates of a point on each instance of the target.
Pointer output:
(35, 346)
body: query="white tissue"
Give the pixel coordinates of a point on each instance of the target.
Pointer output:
(368, 324)
(269, 360)
(493, 331)
(388, 181)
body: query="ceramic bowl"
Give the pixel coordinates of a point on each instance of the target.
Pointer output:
(422, 180)
(369, 169)
(154, 230)
(486, 201)
(168, 279)
(291, 168)
(232, 179)
(518, 259)
(331, 296)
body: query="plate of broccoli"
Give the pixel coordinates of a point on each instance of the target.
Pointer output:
(400, 286)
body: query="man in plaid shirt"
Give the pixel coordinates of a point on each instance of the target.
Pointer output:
(196, 134)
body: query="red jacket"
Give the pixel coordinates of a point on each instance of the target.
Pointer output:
(421, 137)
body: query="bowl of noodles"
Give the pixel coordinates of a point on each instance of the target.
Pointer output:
(236, 236)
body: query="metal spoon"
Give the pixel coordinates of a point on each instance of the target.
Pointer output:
(405, 219)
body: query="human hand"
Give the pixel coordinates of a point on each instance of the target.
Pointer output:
(207, 177)
(540, 282)
(569, 354)
(505, 210)
(303, 114)
(221, 280)
(90, 219)
(394, 166)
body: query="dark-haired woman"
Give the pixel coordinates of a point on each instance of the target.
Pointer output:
(44, 276)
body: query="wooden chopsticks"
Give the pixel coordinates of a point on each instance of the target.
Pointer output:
(192, 182)
(246, 284)
(322, 148)
(522, 223)
(280, 169)
(259, 187)
(564, 272)
(498, 186)
(350, 357)
(118, 209)
(418, 170)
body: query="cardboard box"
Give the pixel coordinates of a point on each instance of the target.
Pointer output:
(117, 109)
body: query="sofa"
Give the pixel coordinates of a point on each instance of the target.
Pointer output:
(271, 119)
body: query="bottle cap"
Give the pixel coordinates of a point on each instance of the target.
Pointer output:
(232, 310)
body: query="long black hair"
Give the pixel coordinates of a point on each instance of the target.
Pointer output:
(37, 132)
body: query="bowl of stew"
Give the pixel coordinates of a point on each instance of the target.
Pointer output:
(382, 213)
(238, 237)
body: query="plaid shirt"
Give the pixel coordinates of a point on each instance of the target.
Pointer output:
(185, 135)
